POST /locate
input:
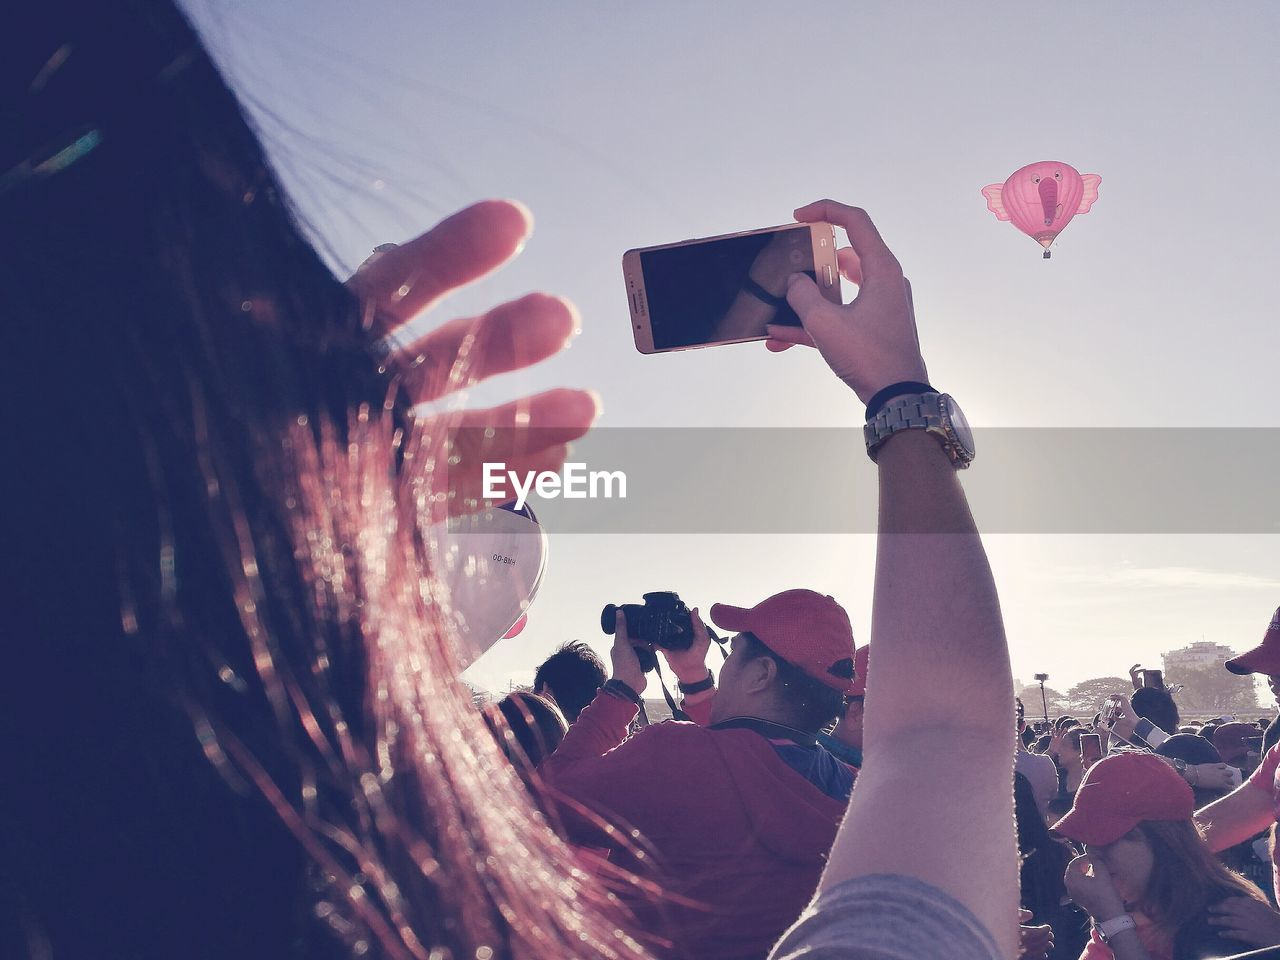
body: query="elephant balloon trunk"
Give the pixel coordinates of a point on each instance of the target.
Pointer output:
(1049, 199)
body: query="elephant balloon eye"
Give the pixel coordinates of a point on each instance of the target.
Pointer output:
(1057, 176)
(1035, 179)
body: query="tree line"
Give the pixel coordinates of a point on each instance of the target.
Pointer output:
(1209, 690)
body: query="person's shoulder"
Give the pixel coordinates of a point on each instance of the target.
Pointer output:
(885, 915)
(1035, 765)
(678, 727)
(1035, 760)
(684, 731)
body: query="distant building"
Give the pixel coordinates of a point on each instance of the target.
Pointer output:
(1202, 653)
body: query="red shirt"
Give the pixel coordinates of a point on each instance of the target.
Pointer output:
(735, 837)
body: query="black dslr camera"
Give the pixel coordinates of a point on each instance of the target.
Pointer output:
(661, 621)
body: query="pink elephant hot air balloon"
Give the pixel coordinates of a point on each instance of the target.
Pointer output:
(1041, 199)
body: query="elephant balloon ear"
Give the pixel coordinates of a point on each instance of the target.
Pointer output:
(995, 202)
(1091, 183)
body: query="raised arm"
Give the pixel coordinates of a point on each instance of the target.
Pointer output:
(934, 801)
(1232, 819)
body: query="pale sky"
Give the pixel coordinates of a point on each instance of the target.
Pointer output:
(629, 125)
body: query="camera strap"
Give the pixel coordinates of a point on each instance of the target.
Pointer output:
(676, 712)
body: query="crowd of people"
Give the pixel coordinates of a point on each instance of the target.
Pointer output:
(243, 728)
(1105, 806)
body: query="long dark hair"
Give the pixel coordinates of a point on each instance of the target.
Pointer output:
(1044, 856)
(1186, 876)
(241, 730)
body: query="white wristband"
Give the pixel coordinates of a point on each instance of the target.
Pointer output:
(1109, 928)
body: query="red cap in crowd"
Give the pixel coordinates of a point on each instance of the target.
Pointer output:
(860, 658)
(1119, 792)
(1234, 740)
(804, 628)
(1265, 657)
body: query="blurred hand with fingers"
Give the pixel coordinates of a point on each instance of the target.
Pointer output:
(1125, 721)
(1135, 676)
(402, 282)
(1089, 884)
(1247, 920)
(1035, 941)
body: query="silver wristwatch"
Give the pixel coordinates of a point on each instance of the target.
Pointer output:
(936, 413)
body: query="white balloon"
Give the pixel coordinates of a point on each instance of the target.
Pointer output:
(491, 563)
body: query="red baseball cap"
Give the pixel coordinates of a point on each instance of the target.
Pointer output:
(1265, 657)
(1234, 740)
(804, 628)
(1119, 792)
(860, 658)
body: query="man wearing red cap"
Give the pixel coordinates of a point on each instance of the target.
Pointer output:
(1255, 805)
(741, 806)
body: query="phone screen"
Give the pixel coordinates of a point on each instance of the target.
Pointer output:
(691, 290)
(1090, 748)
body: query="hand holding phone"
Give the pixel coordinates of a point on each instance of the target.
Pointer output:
(727, 289)
(1110, 710)
(1118, 717)
(1090, 749)
(871, 342)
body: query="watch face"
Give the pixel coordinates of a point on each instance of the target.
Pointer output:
(959, 425)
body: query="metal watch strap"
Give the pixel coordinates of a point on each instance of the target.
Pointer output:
(913, 411)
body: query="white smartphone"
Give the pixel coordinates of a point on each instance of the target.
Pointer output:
(727, 289)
